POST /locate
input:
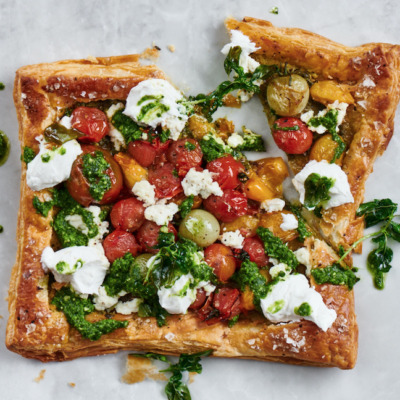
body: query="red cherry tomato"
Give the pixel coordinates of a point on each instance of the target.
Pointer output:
(228, 207)
(78, 186)
(143, 152)
(255, 248)
(226, 170)
(290, 140)
(201, 297)
(165, 180)
(128, 214)
(221, 259)
(92, 122)
(147, 235)
(184, 154)
(118, 243)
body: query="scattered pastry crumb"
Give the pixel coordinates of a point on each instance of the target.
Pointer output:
(1, 317)
(171, 48)
(40, 376)
(138, 369)
(92, 59)
(72, 384)
(153, 44)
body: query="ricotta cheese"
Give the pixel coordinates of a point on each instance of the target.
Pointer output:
(65, 121)
(279, 269)
(116, 138)
(145, 192)
(83, 267)
(285, 298)
(51, 167)
(161, 214)
(167, 110)
(128, 307)
(339, 193)
(235, 140)
(198, 183)
(232, 239)
(289, 222)
(303, 257)
(113, 109)
(102, 301)
(273, 205)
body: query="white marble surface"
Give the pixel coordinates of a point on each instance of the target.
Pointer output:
(37, 31)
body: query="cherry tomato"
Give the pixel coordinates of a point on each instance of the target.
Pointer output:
(226, 170)
(147, 235)
(185, 154)
(165, 181)
(290, 140)
(221, 259)
(143, 152)
(78, 186)
(92, 122)
(255, 248)
(118, 243)
(201, 297)
(161, 150)
(128, 214)
(231, 205)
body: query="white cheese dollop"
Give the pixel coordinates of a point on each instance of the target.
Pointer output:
(42, 174)
(289, 222)
(273, 205)
(232, 239)
(65, 121)
(198, 183)
(145, 192)
(83, 267)
(161, 214)
(235, 140)
(286, 296)
(339, 193)
(113, 109)
(128, 307)
(102, 301)
(162, 92)
(303, 257)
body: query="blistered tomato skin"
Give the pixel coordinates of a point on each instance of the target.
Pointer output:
(118, 243)
(231, 205)
(147, 235)
(185, 154)
(92, 122)
(201, 298)
(78, 186)
(292, 135)
(226, 170)
(255, 249)
(221, 259)
(128, 214)
(165, 180)
(143, 152)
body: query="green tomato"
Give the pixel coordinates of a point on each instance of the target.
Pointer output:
(288, 95)
(141, 262)
(201, 227)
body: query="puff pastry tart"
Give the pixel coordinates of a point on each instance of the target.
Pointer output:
(117, 162)
(331, 104)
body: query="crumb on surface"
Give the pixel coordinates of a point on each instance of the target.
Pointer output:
(72, 384)
(138, 369)
(40, 376)
(171, 48)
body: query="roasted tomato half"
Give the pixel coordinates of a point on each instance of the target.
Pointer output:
(128, 214)
(92, 122)
(78, 184)
(147, 235)
(166, 181)
(118, 243)
(226, 170)
(185, 154)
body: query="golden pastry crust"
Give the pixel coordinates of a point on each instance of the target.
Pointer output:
(372, 73)
(37, 330)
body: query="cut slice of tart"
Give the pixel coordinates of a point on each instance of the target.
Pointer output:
(331, 109)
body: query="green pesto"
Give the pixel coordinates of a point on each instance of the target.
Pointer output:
(186, 206)
(45, 157)
(164, 135)
(251, 141)
(336, 275)
(274, 10)
(93, 168)
(129, 129)
(42, 207)
(275, 248)
(28, 155)
(62, 151)
(317, 190)
(149, 97)
(2, 86)
(302, 229)
(1, 229)
(75, 310)
(276, 306)
(213, 147)
(233, 321)
(275, 127)
(304, 310)
(152, 110)
(190, 146)
(4, 147)
(64, 268)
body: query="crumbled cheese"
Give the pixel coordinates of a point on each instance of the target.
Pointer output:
(42, 174)
(117, 139)
(285, 296)
(273, 205)
(161, 214)
(289, 222)
(235, 140)
(339, 193)
(128, 307)
(303, 257)
(113, 109)
(76, 221)
(65, 121)
(200, 184)
(175, 116)
(102, 301)
(83, 267)
(145, 192)
(232, 239)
